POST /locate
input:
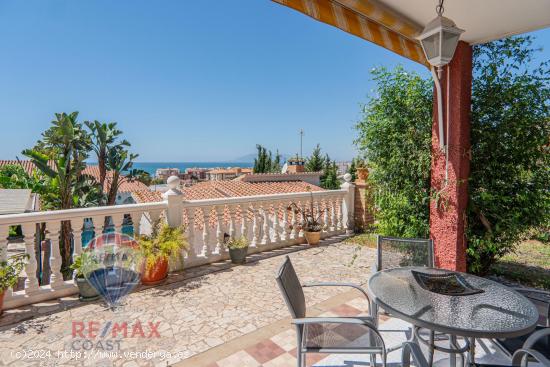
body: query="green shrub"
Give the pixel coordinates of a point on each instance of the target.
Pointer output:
(395, 139)
(237, 243)
(10, 270)
(509, 178)
(164, 243)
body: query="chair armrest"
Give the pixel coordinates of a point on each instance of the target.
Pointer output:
(521, 354)
(533, 338)
(411, 348)
(367, 321)
(351, 285)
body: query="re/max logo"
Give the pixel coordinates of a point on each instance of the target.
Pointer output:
(94, 329)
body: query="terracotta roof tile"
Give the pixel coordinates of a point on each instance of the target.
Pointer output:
(92, 170)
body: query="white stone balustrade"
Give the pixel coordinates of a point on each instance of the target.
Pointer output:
(262, 219)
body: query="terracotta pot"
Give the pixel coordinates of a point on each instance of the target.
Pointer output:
(362, 174)
(2, 301)
(238, 255)
(155, 274)
(86, 291)
(313, 238)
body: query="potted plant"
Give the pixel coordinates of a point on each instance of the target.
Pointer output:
(86, 291)
(163, 244)
(309, 222)
(9, 274)
(238, 248)
(362, 169)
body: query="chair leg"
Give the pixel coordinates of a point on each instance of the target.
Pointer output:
(373, 359)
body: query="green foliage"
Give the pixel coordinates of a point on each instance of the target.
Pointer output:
(164, 243)
(112, 155)
(315, 162)
(352, 170)
(140, 175)
(395, 138)
(264, 162)
(237, 243)
(509, 174)
(10, 270)
(329, 180)
(77, 266)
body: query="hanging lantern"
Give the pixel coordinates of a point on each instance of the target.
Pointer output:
(439, 39)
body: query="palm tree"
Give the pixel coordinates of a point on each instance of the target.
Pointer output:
(60, 155)
(118, 160)
(104, 138)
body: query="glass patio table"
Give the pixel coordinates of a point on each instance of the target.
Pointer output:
(452, 303)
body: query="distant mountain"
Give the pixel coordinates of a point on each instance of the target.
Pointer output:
(250, 157)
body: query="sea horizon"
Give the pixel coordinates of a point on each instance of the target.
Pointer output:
(151, 167)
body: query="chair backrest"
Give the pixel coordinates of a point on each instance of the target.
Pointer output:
(541, 299)
(393, 252)
(290, 287)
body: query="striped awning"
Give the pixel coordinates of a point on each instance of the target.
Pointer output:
(366, 19)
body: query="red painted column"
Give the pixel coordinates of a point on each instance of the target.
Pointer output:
(450, 196)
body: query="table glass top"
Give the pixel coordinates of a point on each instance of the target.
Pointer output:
(496, 311)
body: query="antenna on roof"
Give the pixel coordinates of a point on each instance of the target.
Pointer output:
(301, 142)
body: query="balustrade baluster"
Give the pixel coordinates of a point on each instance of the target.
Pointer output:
(255, 226)
(154, 215)
(276, 227)
(303, 206)
(118, 220)
(265, 225)
(294, 232)
(4, 233)
(317, 206)
(326, 216)
(244, 221)
(136, 223)
(98, 225)
(31, 283)
(219, 229)
(56, 278)
(191, 253)
(232, 231)
(333, 218)
(340, 214)
(77, 226)
(285, 233)
(205, 232)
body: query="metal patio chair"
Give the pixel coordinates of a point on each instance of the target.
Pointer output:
(356, 335)
(541, 299)
(393, 252)
(521, 357)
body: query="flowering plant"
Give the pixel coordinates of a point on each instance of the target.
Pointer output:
(309, 222)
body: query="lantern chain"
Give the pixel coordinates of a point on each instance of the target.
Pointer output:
(439, 8)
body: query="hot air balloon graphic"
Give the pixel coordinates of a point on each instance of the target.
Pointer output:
(112, 264)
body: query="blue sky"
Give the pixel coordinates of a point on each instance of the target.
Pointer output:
(186, 80)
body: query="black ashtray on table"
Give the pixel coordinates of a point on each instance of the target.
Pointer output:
(449, 284)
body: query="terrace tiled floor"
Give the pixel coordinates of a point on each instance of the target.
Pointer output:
(196, 310)
(215, 316)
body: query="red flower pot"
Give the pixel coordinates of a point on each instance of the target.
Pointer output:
(156, 273)
(2, 301)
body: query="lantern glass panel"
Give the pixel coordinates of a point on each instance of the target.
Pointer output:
(431, 46)
(449, 43)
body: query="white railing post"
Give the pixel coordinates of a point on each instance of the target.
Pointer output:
(191, 253)
(348, 205)
(56, 279)
(4, 233)
(255, 226)
(31, 283)
(174, 200)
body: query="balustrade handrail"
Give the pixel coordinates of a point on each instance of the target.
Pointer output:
(263, 198)
(53, 215)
